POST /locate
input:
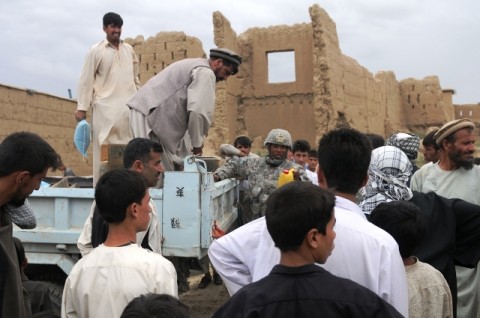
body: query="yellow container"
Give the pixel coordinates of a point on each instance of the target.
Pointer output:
(285, 177)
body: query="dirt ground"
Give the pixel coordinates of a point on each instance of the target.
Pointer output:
(203, 302)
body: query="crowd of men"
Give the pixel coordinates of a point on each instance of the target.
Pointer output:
(357, 233)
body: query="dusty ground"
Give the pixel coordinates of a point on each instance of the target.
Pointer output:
(203, 302)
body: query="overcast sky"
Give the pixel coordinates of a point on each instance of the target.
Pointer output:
(45, 41)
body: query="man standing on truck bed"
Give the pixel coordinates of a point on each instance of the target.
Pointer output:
(24, 161)
(109, 78)
(175, 107)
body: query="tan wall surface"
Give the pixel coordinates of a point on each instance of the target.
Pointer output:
(424, 104)
(267, 105)
(228, 93)
(470, 111)
(49, 116)
(156, 53)
(330, 90)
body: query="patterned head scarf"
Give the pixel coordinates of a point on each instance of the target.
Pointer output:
(387, 178)
(407, 142)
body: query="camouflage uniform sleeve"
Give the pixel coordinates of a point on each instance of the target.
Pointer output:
(234, 168)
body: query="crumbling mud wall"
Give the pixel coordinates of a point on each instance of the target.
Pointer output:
(346, 93)
(156, 53)
(330, 90)
(470, 111)
(425, 103)
(265, 105)
(228, 93)
(49, 116)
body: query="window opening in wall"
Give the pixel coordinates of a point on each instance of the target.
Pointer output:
(470, 113)
(281, 67)
(461, 113)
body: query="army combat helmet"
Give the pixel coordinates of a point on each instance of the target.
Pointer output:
(278, 137)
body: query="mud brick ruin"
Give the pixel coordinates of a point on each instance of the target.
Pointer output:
(329, 90)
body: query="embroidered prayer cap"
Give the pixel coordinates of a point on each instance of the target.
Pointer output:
(451, 127)
(227, 55)
(408, 143)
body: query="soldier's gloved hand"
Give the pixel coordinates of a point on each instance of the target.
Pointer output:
(296, 175)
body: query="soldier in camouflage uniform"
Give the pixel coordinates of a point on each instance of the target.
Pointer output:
(263, 172)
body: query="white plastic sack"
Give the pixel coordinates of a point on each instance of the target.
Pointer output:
(82, 136)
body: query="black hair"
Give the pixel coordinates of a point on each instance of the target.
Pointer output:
(139, 149)
(344, 156)
(428, 140)
(376, 140)
(116, 190)
(155, 306)
(112, 18)
(404, 221)
(313, 153)
(296, 208)
(242, 140)
(301, 145)
(26, 151)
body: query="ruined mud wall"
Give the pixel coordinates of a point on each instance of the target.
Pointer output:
(330, 90)
(265, 105)
(425, 104)
(161, 50)
(225, 127)
(347, 94)
(49, 116)
(470, 111)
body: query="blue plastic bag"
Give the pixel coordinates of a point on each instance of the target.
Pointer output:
(82, 136)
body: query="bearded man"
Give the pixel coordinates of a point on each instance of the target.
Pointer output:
(456, 176)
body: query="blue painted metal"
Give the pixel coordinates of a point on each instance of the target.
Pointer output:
(187, 206)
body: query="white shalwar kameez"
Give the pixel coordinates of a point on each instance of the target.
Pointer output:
(106, 280)
(108, 80)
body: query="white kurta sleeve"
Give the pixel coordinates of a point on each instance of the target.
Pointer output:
(166, 279)
(393, 286)
(234, 255)
(86, 81)
(68, 308)
(136, 70)
(200, 104)
(416, 181)
(84, 242)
